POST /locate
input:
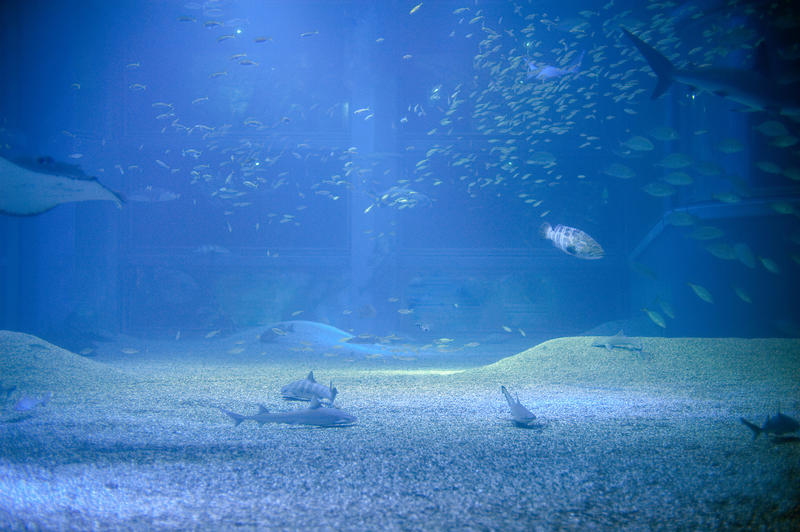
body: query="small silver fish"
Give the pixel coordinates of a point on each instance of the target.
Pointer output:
(572, 241)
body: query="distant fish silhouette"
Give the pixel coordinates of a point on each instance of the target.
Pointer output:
(572, 241)
(34, 186)
(547, 72)
(779, 424)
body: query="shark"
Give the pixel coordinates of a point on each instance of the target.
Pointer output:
(33, 186)
(315, 415)
(755, 89)
(620, 341)
(308, 388)
(779, 424)
(521, 416)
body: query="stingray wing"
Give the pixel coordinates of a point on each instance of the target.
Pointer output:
(26, 191)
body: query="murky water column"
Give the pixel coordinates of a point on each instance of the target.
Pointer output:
(372, 241)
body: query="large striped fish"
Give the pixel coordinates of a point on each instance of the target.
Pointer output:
(572, 241)
(308, 388)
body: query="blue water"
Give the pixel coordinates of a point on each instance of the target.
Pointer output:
(387, 172)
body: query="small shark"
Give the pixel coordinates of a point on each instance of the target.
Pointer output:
(316, 415)
(619, 341)
(307, 389)
(779, 424)
(751, 88)
(29, 187)
(546, 72)
(27, 402)
(521, 416)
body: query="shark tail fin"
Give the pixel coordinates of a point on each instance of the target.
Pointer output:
(334, 391)
(662, 66)
(755, 428)
(508, 396)
(237, 418)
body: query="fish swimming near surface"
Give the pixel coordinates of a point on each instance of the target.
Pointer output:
(316, 415)
(619, 341)
(521, 416)
(308, 388)
(572, 241)
(547, 72)
(779, 424)
(34, 186)
(752, 88)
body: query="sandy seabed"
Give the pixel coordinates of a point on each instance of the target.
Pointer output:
(628, 440)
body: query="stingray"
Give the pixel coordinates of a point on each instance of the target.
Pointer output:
(33, 186)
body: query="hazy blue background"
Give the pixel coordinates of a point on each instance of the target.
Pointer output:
(267, 217)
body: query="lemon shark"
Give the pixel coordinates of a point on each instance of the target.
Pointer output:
(755, 89)
(34, 186)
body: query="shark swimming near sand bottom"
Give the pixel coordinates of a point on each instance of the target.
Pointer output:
(315, 415)
(777, 425)
(33, 186)
(308, 388)
(756, 89)
(618, 341)
(521, 416)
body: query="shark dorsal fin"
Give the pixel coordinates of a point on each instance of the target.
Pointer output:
(310, 376)
(263, 409)
(314, 403)
(620, 333)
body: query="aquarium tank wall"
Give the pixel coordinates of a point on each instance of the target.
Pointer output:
(399, 264)
(342, 166)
